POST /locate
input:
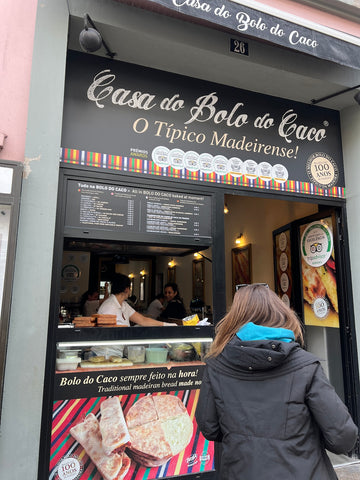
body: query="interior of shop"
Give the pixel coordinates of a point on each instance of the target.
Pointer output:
(249, 223)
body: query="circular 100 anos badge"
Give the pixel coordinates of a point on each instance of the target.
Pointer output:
(316, 244)
(69, 468)
(322, 170)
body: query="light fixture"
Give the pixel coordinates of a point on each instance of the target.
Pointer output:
(199, 255)
(238, 239)
(226, 209)
(131, 275)
(322, 99)
(90, 38)
(143, 273)
(171, 264)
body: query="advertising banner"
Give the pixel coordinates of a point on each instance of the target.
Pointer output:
(126, 117)
(319, 274)
(128, 423)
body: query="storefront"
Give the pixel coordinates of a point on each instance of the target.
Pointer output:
(149, 159)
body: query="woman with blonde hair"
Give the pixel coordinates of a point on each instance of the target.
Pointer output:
(266, 399)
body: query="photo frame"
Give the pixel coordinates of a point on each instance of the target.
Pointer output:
(171, 275)
(198, 279)
(241, 265)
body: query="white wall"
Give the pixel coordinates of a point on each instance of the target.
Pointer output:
(256, 218)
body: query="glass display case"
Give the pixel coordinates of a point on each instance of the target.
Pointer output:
(139, 386)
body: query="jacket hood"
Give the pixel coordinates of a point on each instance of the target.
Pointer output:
(249, 357)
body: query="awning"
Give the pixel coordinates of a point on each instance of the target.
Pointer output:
(251, 23)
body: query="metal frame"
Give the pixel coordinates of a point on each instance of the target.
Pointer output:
(12, 199)
(218, 271)
(219, 304)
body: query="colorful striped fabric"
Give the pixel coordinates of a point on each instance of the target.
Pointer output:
(138, 165)
(197, 457)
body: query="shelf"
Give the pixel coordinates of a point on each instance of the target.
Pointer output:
(132, 335)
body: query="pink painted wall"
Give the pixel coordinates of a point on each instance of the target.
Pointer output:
(316, 16)
(16, 47)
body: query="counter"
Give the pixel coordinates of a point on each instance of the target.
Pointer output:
(168, 443)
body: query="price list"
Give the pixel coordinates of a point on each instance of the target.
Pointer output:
(131, 209)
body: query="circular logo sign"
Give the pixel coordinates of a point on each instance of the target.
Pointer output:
(282, 241)
(285, 298)
(191, 160)
(160, 156)
(283, 261)
(321, 308)
(69, 468)
(176, 157)
(284, 282)
(206, 163)
(322, 170)
(235, 166)
(70, 273)
(316, 244)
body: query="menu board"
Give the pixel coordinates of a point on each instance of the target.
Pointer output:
(127, 209)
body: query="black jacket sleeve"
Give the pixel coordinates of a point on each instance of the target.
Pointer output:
(174, 309)
(206, 415)
(338, 430)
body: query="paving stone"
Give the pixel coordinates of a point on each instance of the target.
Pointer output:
(348, 472)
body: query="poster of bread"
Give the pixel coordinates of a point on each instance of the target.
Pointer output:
(149, 433)
(318, 272)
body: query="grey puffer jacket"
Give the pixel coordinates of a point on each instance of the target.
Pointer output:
(272, 407)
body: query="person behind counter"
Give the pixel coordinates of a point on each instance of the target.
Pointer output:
(156, 307)
(117, 305)
(90, 301)
(266, 399)
(174, 307)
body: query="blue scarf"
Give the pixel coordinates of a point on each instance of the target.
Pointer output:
(250, 332)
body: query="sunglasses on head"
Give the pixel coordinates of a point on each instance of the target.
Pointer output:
(241, 285)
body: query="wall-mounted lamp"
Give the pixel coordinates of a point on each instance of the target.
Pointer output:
(199, 255)
(226, 209)
(143, 273)
(91, 40)
(131, 275)
(171, 264)
(239, 238)
(322, 99)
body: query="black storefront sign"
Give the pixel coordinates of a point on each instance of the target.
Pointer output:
(256, 24)
(132, 211)
(159, 123)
